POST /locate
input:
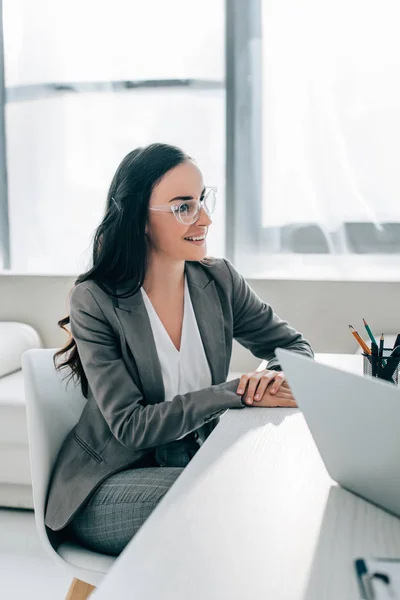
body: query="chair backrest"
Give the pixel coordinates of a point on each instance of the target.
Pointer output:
(53, 408)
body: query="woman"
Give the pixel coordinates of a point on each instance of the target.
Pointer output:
(152, 324)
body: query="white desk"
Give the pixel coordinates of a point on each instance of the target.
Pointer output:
(254, 516)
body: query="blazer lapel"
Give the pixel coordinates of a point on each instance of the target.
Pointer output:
(136, 326)
(210, 319)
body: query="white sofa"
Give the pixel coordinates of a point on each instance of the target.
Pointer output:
(15, 477)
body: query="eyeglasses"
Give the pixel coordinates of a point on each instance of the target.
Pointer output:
(187, 212)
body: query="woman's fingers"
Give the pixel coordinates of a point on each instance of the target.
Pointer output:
(256, 384)
(285, 384)
(283, 390)
(286, 395)
(252, 386)
(264, 382)
(287, 403)
(243, 383)
(272, 401)
(249, 383)
(279, 379)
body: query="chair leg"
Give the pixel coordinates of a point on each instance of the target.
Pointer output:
(79, 590)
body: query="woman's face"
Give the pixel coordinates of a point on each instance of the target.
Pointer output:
(166, 234)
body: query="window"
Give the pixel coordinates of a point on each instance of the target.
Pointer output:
(315, 116)
(300, 117)
(86, 82)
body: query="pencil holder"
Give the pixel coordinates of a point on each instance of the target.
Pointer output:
(385, 367)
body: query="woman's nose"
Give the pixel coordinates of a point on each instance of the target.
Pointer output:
(204, 218)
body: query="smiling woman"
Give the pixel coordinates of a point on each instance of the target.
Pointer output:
(152, 326)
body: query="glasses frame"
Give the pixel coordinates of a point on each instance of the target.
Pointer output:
(202, 203)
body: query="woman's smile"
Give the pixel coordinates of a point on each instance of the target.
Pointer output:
(197, 239)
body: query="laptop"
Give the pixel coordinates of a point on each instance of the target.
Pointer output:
(355, 422)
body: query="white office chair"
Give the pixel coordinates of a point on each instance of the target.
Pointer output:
(53, 409)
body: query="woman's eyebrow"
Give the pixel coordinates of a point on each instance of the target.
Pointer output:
(187, 197)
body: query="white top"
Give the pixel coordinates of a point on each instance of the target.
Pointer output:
(185, 370)
(253, 516)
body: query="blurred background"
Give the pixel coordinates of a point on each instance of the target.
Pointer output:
(291, 109)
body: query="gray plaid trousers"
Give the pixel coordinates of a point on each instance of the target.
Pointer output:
(118, 508)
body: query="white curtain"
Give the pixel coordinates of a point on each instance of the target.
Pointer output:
(62, 150)
(331, 113)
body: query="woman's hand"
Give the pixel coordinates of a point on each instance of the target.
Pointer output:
(257, 382)
(283, 398)
(266, 388)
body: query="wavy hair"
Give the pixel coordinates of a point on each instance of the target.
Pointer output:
(119, 244)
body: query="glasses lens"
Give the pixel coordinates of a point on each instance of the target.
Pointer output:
(187, 212)
(210, 199)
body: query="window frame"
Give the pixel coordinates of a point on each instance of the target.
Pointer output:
(5, 258)
(243, 125)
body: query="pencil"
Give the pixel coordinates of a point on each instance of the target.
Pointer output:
(374, 359)
(371, 337)
(360, 340)
(381, 344)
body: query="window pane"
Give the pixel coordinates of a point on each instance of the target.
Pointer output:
(330, 140)
(63, 148)
(63, 152)
(98, 40)
(332, 112)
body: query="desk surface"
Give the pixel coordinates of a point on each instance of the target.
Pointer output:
(255, 515)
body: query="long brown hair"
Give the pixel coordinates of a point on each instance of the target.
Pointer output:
(119, 244)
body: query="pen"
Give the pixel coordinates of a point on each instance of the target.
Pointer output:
(382, 341)
(381, 362)
(397, 342)
(375, 360)
(391, 366)
(367, 581)
(371, 337)
(363, 580)
(360, 340)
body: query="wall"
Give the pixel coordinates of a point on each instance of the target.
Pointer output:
(321, 310)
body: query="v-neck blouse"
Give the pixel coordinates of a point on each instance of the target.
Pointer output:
(185, 370)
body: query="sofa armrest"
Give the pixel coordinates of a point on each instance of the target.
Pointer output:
(15, 338)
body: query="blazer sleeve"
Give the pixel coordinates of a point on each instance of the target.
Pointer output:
(258, 328)
(135, 424)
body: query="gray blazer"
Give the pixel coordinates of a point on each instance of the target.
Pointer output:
(125, 415)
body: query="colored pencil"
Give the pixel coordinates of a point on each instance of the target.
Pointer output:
(371, 336)
(360, 340)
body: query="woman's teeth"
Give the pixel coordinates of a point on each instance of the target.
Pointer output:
(195, 239)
